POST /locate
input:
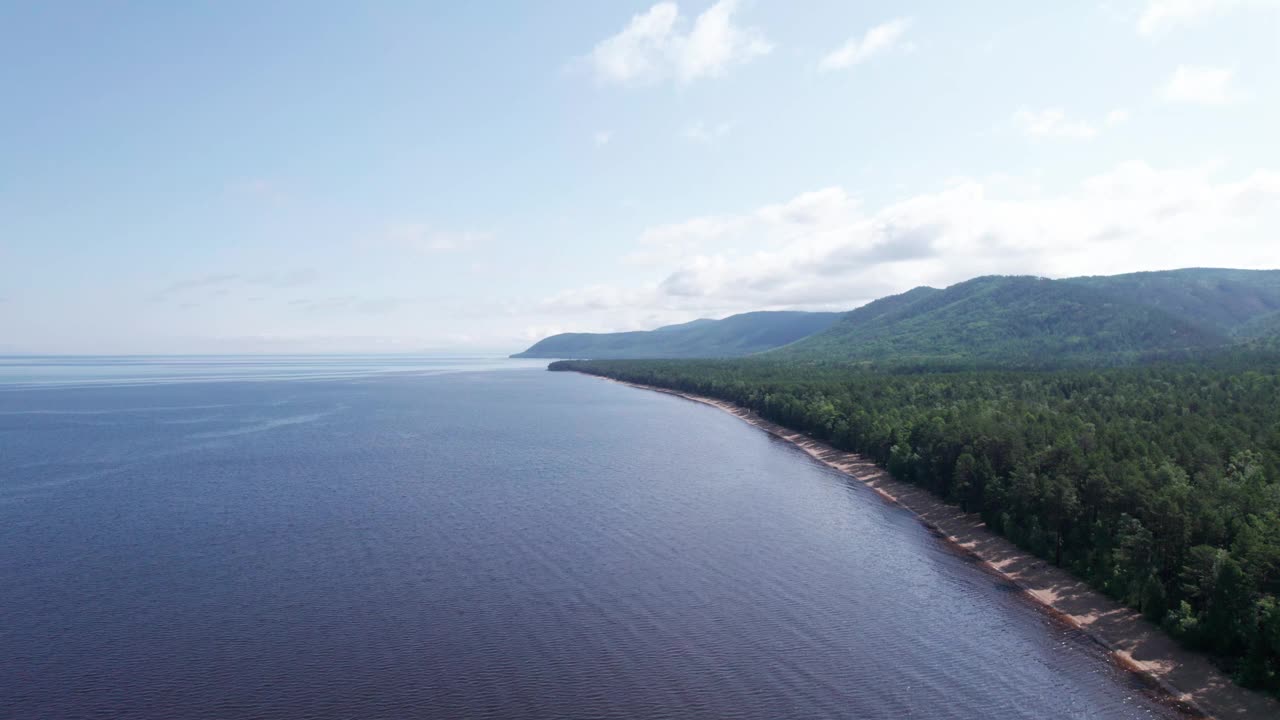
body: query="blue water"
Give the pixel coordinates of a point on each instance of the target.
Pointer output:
(458, 538)
(32, 371)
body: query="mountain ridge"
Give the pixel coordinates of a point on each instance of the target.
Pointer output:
(733, 336)
(1011, 318)
(991, 318)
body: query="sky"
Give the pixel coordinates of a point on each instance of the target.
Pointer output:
(426, 176)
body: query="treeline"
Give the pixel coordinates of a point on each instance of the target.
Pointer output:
(1158, 485)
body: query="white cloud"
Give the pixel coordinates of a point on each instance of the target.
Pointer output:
(811, 209)
(1163, 15)
(824, 250)
(1052, 123)
(715, 43)
(1202, 85)
(638, 51)
(653, 46)
(668, 243)
(875, 41)
(701, 132)
(601, 137)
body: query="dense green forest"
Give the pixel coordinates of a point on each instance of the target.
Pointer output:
(734, 336)
(1218, 298)
(1160, 485)
(1020, 320)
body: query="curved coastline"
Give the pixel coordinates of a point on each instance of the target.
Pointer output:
(1187, 677)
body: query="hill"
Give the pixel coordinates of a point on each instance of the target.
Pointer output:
(1262, 326)
(1217, 298)
(1015, 319)
(734, 336)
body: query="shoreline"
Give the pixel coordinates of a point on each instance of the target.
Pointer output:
(1188, 678)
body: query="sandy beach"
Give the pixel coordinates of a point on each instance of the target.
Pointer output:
(1188, 677)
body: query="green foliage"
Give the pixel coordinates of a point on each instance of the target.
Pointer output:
(1210, 297)
(733, 336)
(1158, 484)
(1023, 321)
(1262, 326)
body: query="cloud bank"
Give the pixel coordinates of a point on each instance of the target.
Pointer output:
(824, 250)
(1164, 15)
(876, 41)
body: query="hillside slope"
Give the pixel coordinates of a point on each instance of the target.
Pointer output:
(1008, 319)
(1217, 298)
(1261, 326)
(733, 336)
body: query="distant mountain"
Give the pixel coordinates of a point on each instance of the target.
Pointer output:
(733, 336)
(1018, 318)
(1215, 298)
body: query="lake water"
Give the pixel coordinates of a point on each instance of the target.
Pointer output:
(475, 538)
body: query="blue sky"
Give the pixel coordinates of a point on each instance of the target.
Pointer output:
(302, 177)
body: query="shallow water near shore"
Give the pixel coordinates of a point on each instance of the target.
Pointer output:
(399, 541)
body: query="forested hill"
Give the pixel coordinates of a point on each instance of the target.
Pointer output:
(1016, 320)
(1012, 321)
(1222, 299)
(733, 336)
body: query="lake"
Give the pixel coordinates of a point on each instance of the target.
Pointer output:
(364, 537)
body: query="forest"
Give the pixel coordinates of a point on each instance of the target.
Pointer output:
(1086, 321)
(1158, 484)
